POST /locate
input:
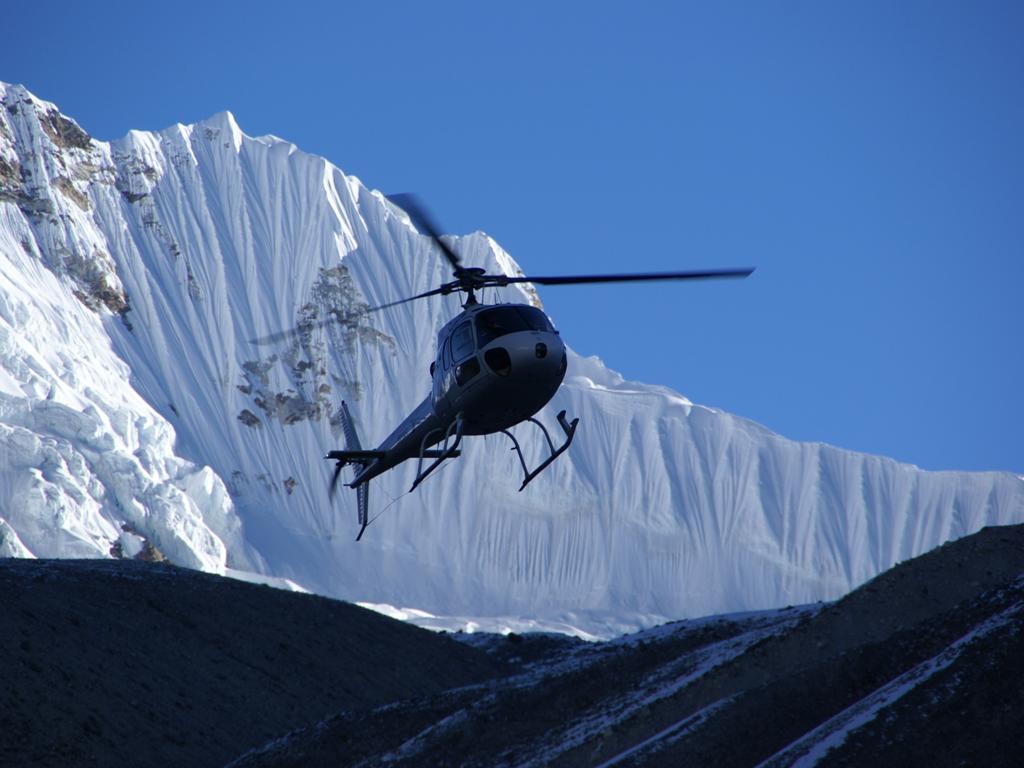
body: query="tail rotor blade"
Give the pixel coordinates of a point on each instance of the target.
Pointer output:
(334, 480)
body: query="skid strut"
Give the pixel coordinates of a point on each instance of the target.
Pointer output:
(447, 452)
(568, 427)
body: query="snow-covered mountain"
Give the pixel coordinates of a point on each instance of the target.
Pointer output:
(137, 411)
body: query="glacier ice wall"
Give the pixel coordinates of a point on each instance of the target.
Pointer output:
(146, 382)
(85, 462)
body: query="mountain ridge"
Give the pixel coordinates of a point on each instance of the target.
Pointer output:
(165, 254)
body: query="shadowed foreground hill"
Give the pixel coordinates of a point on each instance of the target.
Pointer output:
(127, 663)
(923, 665)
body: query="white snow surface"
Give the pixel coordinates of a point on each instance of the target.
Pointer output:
(179, 418)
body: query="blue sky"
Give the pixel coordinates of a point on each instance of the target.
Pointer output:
(867, 157)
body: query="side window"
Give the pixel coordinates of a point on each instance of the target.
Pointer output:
(462, 343)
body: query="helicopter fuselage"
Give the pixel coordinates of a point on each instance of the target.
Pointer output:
(495, 366)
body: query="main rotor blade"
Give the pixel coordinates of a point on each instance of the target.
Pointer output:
(339, 317)
(425, 294)
(629, 277)
(421, 218)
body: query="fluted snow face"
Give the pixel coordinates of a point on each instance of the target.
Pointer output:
(145, 402)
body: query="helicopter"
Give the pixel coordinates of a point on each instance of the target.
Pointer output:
(496, 366)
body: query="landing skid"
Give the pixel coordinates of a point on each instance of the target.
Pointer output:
(568, 427)
(450, 439)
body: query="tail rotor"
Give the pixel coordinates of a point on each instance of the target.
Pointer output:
(355, 455)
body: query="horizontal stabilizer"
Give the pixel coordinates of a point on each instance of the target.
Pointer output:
(354, 457)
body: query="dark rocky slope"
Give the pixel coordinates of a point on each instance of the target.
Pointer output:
(922, 665)
(128, 663)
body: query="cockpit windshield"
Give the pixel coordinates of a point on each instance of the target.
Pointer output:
(497, 321)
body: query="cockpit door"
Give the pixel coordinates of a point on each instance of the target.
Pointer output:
(462, 343)
(442, 373)
(465, 365)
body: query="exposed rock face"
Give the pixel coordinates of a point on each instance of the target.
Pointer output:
(63, 131)
(47, 162)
